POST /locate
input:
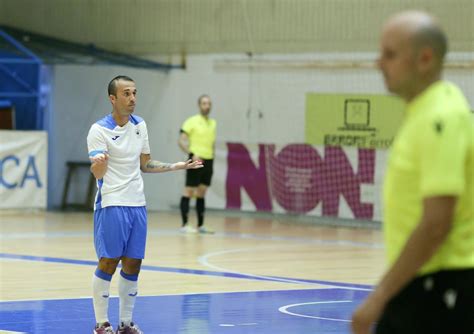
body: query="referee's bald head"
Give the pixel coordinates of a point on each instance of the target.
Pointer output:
(413, 47)
(423, 31)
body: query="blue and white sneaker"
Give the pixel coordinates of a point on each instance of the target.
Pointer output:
(130, 329)
(105, 328)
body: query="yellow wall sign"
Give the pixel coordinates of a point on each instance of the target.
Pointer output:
(365, 121)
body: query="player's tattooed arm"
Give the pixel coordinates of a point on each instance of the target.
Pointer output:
(158, 166)
(148, 165)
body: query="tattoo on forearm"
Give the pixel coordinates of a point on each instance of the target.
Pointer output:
(153, 164)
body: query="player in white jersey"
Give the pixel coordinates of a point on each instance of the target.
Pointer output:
(119, 151)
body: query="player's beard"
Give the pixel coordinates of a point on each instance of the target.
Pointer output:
(128, 110)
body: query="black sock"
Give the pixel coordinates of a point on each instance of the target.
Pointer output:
(200, 208)
(184, 206)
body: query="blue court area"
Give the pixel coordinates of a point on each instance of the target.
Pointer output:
(318, 307)
(289, 311)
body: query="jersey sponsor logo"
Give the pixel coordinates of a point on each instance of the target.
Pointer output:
(439, 127)
(115, 138)
(450, 297)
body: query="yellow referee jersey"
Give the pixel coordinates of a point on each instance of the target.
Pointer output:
(201, 132)
(432, 155)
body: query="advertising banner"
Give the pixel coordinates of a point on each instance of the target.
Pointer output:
(23, 169)
(342, 182)
(364, 121)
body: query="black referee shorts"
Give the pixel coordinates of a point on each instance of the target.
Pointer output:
(438, 303)
(195, 177)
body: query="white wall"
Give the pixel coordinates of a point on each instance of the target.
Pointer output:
(166, 99)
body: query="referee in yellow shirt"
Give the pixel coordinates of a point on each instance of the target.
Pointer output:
(428, 192)
(197, 138)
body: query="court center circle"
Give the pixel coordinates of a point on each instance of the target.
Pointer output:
(284, 309)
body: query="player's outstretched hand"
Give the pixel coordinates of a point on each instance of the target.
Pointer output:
(189, 164)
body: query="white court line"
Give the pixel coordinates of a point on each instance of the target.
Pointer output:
(204, 260)
(284, 309)
(244, 324)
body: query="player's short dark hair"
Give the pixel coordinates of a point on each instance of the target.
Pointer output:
(202, 97)
(112, 88)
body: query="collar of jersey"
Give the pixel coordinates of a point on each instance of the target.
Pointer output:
(424, 98)
(208, 119)
(111, 120)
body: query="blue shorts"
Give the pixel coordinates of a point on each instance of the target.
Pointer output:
(120, 231)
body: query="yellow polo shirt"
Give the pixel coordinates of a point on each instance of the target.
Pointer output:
(432, 155)
(201, 132)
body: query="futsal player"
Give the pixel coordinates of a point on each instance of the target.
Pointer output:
(197, 139)
(428, 192)
(119, 149)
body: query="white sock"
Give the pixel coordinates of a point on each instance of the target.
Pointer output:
(128, 289)
(101, 288)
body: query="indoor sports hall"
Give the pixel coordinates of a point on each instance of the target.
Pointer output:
(287, 238)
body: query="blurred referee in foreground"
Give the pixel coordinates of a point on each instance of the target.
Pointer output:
(197, 139)
(428, 192)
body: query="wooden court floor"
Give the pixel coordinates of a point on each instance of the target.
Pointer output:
(50, 255)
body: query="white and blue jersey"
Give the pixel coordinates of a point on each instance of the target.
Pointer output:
(122, 184)
(120, 218)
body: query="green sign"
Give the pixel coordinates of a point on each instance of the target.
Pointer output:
(365, 121)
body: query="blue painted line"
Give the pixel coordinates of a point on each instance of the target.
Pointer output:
(144, 267)
(183, 271)
(203, 273)
(335, 284)
(47, 259)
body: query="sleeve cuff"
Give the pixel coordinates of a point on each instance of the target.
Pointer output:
(454, 190)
